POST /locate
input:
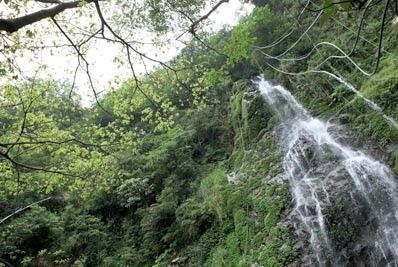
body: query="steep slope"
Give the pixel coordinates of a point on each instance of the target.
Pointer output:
(215, 171)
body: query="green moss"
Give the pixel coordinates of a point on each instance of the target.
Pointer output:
(236, 158)
(329, 99)
(257, 117)
(250, 116)
(394, 159)
(342, 224)
(260, 238)
(250, 211)
(255, 210)
(236, 108)
(383, 87)
(212, 191)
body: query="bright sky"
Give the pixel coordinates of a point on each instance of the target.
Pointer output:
(104, 71)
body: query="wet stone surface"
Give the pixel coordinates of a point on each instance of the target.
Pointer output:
(345, 199)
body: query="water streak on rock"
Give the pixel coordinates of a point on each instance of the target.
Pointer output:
(323, 172)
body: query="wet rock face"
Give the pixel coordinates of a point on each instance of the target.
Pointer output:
(348, 137)
(350, 225)
(345, 209)
(317, 173)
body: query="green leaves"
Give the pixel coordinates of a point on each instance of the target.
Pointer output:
(330, 8)
(244, 36)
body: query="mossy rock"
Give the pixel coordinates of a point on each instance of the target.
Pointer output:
(258, 116)
(394, 159)
(343, 219)
(241, 86)
(383, 87)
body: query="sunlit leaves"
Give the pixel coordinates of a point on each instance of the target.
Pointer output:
(243, 37)
(37, 135)
(133, 190)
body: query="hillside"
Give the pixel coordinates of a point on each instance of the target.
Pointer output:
(273, 145)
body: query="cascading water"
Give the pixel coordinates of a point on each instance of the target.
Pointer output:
(324, 175)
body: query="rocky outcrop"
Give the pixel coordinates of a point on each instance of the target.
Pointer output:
(345, 201)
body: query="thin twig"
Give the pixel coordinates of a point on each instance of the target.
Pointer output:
(24, 208)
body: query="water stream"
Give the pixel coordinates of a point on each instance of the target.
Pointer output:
(330, 179)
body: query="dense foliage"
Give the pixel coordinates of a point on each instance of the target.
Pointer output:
(177, 172)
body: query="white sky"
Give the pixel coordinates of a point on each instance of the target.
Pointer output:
(104, 71)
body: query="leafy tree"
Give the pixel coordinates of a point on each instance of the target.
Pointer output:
(81, 23)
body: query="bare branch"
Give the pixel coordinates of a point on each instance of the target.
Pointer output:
(49, 1)
(18, 164)
(208, 46)
(74, 78)
(25, 110)
(50, 142)
(329, 5)
(13, 25)
(359, 29)
(87, 69)
(207, 15)
(379, 48)
(128, 48)
(23, 209)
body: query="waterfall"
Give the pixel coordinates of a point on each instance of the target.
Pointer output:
(330, 179)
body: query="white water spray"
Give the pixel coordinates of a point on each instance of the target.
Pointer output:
(322, 171)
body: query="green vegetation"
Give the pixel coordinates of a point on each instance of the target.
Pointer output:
(180, 170)
(163, 196)
(324, 95)
(142, 180)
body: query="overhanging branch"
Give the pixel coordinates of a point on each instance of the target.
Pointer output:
(13, 25)
(207, 15)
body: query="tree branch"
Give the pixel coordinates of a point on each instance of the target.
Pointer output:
(34, 168)
(207, 15)
(87, 68)
(329, 6)
(22, 209)
(13, 25)
(50, 142)
(380, 46)
(49, 1)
